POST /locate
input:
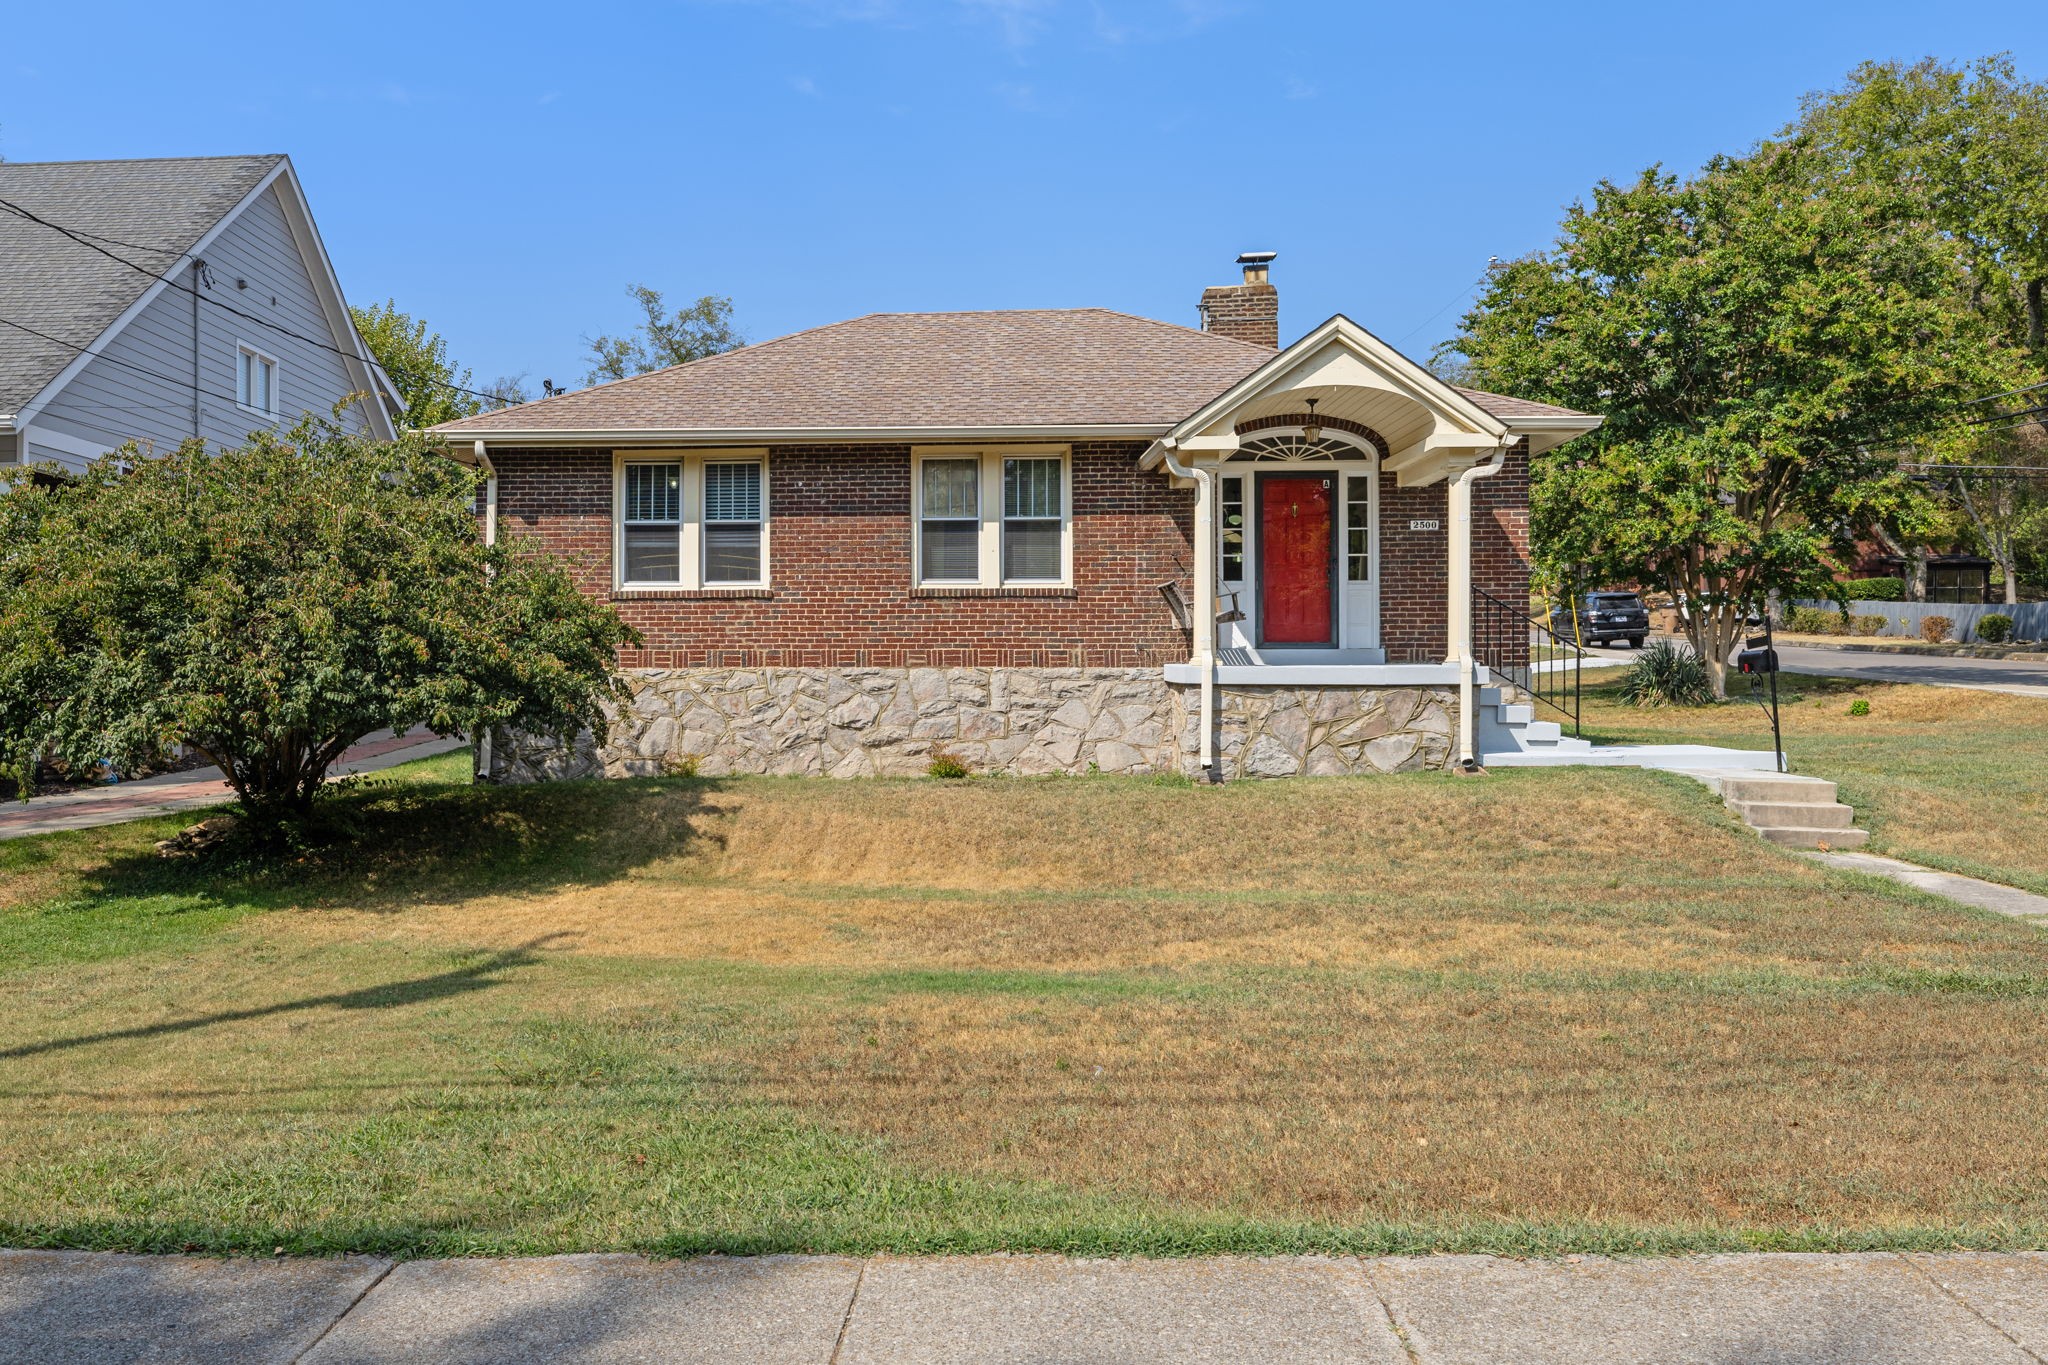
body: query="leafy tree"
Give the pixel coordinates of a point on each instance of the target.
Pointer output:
(662, 339)
(1756, 348)
(417, 361)
(272, 604)
(1970, 141)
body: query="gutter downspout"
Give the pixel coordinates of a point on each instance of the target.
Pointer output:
(1460, 604)
(483, 743)
(1205, 593)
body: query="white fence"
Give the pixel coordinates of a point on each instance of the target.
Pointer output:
(2029, 619)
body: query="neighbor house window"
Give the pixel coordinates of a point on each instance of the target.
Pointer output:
(692, 519)
(949, 527)
(1358, 529)
(653, 518)
(1032, 505)
(992, 518)
(256, 381)
(732, 523)
(1233, 529)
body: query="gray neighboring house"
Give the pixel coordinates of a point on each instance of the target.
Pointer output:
(234, 320)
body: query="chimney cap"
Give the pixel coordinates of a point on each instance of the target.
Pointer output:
(1255, 257)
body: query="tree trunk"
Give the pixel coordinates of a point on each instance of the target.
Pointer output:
(2037, 327)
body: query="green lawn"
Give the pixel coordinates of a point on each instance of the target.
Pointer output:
(1548, 1011)
(1939, 775)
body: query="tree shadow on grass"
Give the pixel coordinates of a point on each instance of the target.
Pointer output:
(477, 976)
(382, 849)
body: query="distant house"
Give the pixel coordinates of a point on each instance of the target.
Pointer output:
(161, 300)
(1039, 541)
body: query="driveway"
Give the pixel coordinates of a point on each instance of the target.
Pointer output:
(1990, 675)
(111, 804)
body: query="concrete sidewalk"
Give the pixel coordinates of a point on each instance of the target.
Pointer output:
(111, 804)
(1866, 1309)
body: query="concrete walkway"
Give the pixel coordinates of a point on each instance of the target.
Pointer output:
(1993, 896)
(109, 805)
(1869, 1309)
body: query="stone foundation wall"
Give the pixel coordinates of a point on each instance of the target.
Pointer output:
(867, 722)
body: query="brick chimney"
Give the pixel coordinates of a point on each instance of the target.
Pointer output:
(1248, 311)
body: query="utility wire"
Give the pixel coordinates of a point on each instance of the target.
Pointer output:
(81, 237)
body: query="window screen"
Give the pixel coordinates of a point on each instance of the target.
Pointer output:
(950, 527)
(1031, 520)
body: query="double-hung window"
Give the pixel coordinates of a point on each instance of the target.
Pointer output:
(949, 521)
(653, 523)
(690, 519)
(256, 381)
(992, 519)
(1032, 520)
(732, 522)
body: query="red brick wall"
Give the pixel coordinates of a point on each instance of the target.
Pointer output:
(1414, 565)
(840, 562)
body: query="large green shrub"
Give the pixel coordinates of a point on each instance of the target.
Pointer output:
(1666, 674)
(1994, 628)
(273, 603)
(1873, 589)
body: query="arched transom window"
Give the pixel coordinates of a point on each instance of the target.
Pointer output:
(1292, 447)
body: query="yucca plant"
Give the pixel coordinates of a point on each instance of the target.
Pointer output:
(1666, 674)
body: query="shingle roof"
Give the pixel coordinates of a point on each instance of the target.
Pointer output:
(1075, 367)
(1507, 409)
(148, 211)
(1030, 367)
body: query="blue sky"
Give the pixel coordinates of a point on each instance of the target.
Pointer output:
(506, 171)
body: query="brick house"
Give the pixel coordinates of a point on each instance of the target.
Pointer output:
(1039, 541)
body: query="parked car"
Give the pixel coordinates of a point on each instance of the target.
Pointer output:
(1603, 617)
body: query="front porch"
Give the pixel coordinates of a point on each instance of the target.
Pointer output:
(1336, 543)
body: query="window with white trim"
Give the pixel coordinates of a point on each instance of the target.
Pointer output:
(256, 381)
(691, 519)
(1033, 501)
(653, 524)
(949, 524)
(732, 522)
(992, 519)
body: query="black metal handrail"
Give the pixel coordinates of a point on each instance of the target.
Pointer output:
(1523, 650)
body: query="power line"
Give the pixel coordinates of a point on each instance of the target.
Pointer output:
(80, 236)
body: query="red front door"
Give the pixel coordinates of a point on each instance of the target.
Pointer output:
(1297, 528)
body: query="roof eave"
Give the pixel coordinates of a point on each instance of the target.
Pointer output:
(672, 436)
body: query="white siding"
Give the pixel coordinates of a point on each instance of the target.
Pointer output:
(112, 400)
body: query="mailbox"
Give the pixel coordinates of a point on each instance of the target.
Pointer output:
(1757, 656)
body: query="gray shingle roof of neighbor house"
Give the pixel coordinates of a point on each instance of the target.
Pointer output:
(151, 212)
(1068, 367)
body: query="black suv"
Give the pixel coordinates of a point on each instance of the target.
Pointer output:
(1603, 616)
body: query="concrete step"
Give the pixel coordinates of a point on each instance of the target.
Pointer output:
(1513, 713)
(1794, 814)
(1777, 787)
(1790, 836)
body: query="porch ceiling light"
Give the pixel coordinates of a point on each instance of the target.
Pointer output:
(1313, 430)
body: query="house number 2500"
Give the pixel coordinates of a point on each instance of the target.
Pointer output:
(1424, 525)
